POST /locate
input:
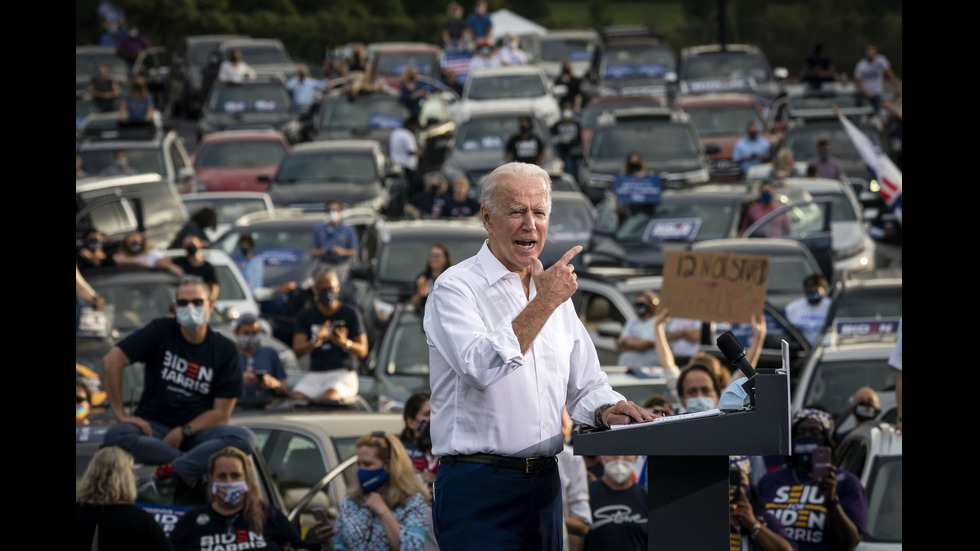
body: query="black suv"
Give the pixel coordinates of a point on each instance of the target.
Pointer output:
(729, 68)
(630, 62)
(665, 137)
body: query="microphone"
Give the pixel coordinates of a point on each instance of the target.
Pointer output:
(735, 354)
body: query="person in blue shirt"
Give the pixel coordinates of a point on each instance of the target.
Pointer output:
(479, 24)
(262, 370)
(751, 149)
(303, 87)
(249, 265)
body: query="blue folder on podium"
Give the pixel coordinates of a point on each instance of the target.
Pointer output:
(687, 463)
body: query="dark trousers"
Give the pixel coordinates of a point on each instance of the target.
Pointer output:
(482, 507)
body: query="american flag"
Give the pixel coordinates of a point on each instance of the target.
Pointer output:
(881, 166)
(459, 63)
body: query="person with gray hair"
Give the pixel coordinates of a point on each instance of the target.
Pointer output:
(106, 517)
(507, 353)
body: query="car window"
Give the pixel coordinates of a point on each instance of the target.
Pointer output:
(410, 352)
(262, 54)
(229, 287)
(240, 154)
(393, 63)
(559, 49)
(833, 383)
(136, 304)
(380, 111)
(653, 141)
(646, 61)
(85, 65)
(884, 489)
(725, 65)
(254, 97)
(402, 260)
(802, 140)
(505, 87)
(142, 160)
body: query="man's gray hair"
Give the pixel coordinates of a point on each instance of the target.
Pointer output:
(522, 171)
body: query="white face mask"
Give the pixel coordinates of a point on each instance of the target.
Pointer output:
(699, 403)
(333, 217)
(620, 470)
(191, 316)
(234, 491)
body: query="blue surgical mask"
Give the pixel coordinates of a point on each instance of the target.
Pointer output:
(803, 450)
(766, 197)
(243, 251)
(191, 316)
(121, 162)
(699, 403)
(371, 480)
(814, 297)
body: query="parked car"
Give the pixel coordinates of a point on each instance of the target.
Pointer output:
(150, 149)
(312, 456)
(630, 63)
(873, 453)
(721, 119)
(551, 49)
(480, 141)
(260, 103)
(358, 173)
(117, 205)
(865, 298)
(665, 137)
(268, 56)
(393, 254)
(599, 106)
(186, 71)
(511, 86)
(232, 160)
(730, 68)
(387, 60)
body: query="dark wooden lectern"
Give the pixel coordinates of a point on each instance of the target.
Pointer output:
(687, 465)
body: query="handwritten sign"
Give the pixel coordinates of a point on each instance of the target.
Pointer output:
(714, 286)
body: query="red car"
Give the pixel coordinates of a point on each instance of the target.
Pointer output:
(721, 119)
(233, 160)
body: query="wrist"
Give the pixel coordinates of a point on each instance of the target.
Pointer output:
(348, 345)
(600, 423)
(755, 530)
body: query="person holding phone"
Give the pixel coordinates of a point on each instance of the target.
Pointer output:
(753, 528)
(389, 509)
(834, 504)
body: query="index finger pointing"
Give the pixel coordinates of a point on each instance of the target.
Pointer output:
(567, 257)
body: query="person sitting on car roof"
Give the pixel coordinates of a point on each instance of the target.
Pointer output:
(136, 107)
(234, 69)
(262, 370)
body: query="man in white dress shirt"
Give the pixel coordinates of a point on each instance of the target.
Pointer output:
(507, 353)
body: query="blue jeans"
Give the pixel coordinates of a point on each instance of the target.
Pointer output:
(482, 507)
(191, 461)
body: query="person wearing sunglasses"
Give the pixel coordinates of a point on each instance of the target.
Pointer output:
(192, 378)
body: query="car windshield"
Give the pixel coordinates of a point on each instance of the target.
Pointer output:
(240, 154)
(560, 49)
(263, 55)
(254, 97)
(229, 287)
(229, 210)
(277, 246)
(374, 111)
(199, 51)
(885, 501)
(725, 65)
(142, 160)
(85, 65)
(802, 140)
(505, 87)
(657, 142)
(646, 61)
(833, 383)
(722, 120)
(400, 259)
(570, 221)
(715, 219)
(393, 63)
(339, 165)
(492, 133)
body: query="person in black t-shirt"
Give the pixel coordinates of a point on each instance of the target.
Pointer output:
(195, 265)
(525, 146)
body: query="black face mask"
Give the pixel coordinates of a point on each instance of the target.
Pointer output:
(634, 167)
(326, 298)
(525, 128)
(191, 250)
(865, 412)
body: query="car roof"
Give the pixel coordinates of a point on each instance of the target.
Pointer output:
(93, 183)
(713, 99)
(332, 145)
(376, 47)
(248, 134)
(325, 426)
(208, 196)
(569, 33)
(508, 70)
(716, 48)
(755, 245)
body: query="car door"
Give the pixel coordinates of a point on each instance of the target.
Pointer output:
(809, 224)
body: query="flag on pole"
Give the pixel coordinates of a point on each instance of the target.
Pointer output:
(879, 164)
(110, 12)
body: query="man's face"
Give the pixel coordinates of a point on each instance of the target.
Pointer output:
(195, 295)
(519, 224)
(247, 329)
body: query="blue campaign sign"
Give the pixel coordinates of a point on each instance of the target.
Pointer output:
(672, 229)
(280, 257)
(637, 190)
(377, 120)
(867, 326)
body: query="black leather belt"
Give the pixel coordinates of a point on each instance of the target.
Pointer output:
(529, 465)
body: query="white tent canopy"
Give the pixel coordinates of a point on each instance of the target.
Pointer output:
(506, 22)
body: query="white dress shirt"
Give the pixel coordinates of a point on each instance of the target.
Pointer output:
(574, 486)
(487, 397)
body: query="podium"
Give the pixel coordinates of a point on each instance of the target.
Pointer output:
(687, 463)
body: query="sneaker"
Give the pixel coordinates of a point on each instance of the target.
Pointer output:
(146, 481)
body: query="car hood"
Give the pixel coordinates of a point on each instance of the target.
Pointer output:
(234, 179)
(317, 193)
(230, 121)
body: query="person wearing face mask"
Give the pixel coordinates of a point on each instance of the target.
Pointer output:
(192, 379)
(251, 266)
(421, 204)
(635, 342)
(137, 108)
(334, 243)
(92, 255)
(195, 265)
(619, 508)
(780, 225)
(865, 405)
(826, 164)
(263, 374)
(573, 84)
(119, 166)
(566, 134)
(330, 332)
(135, 249)
(824, 513)
(485, 56)
(202, 220)
(237, 516)
(525, 146)
(752, 527)
(389, 509)
(809, 312)
(131, 44)
(511, 52)
(751, 149)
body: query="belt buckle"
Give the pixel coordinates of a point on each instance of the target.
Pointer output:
(527, 465)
